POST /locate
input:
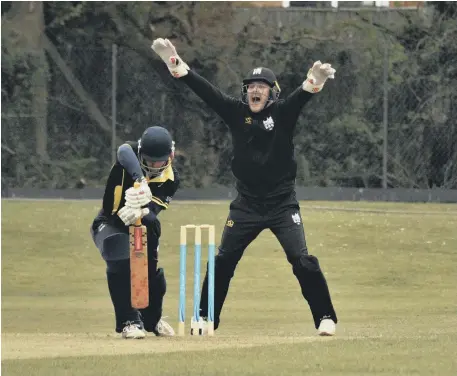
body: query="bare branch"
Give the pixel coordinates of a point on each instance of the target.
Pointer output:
(378, 26)
(293, 40)
(140, 44)
(9, 150)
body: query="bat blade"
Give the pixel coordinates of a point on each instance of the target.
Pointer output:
(139, 284)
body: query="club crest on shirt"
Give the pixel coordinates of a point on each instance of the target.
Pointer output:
(268, 123)
(296, 218)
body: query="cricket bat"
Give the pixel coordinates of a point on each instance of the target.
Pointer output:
(139, 284)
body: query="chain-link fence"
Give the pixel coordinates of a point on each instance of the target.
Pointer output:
(57, 134)
(387, 120)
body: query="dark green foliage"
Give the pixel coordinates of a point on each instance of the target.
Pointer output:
(339, 135)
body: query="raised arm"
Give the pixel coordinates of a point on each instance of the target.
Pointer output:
(134, 197)
(221, 103)
(313, 83)
(128, 159)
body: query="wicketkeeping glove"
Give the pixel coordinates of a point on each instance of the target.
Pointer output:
(130, 215)
(167, 52)
(138, 197)
(317, 76)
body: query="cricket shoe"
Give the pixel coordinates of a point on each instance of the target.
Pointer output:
(132, 330)
(327, 327)
(164, 329)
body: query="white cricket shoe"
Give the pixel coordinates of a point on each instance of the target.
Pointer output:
(327, 327)
(164, 329)
(132, 330)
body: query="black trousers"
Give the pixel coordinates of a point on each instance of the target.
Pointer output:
(112, 241)
(246, 220)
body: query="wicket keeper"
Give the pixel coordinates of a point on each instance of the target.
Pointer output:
(264, 166)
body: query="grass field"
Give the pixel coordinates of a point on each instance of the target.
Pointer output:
(391, 269)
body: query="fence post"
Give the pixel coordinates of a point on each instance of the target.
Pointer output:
(385, 115)
(113, 101)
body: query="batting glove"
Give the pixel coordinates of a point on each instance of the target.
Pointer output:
(317, 76)
(130, 215)
(167, 52)
(138, 197)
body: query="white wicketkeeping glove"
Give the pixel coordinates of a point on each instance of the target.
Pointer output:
(317, 76)
(138, 197)
(167, 52)
(130, 215)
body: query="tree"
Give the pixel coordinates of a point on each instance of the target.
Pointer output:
(339, 134)
(22, 48)
(426, 93)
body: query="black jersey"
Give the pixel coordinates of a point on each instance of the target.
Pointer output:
(263, 160)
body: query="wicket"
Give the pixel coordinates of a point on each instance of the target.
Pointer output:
(196, 321)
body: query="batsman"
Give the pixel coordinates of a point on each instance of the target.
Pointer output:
(262, 127)
(148, 163)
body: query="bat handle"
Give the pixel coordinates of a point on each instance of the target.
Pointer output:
(137, 185)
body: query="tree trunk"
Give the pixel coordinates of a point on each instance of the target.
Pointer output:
(25, 23)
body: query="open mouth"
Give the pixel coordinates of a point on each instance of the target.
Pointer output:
(256, 98)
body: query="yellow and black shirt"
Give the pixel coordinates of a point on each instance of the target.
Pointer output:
(163, 188)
